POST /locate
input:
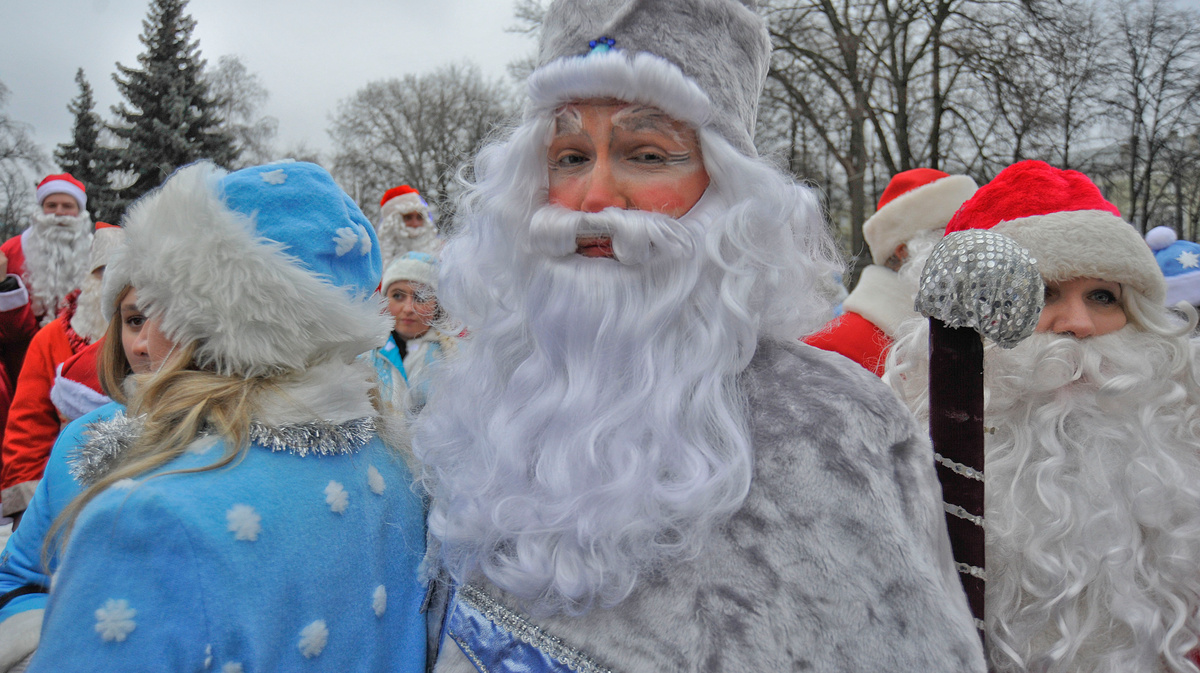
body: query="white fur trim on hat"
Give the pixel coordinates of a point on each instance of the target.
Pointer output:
(643, 78)
(405, 203)
(251, 308)
(413, 270)
(62, 187)
(1088, 244)
(104, 241)
(882, 298)
(74, 399)
(929, 206)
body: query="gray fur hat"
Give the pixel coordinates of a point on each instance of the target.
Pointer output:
(701, 61)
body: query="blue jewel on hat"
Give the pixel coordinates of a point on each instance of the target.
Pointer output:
(601, 45)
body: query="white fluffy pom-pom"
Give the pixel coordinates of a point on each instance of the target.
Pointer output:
(1160, 237)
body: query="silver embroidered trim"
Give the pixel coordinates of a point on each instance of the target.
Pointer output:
(527, 632)
(958, 468)
(107, 440)
(979, 624)
(973, 571)
(962, 514)
(466, 648)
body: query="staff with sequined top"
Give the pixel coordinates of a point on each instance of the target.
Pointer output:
(244, 513)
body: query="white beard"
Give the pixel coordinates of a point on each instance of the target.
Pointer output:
(56, 252)
(88, 321)
(397, 238)
(1093, 503)
(601, 416)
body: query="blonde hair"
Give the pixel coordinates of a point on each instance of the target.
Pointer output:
(112, 366)
(174, 406)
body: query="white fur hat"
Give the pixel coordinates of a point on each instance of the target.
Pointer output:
(416, 267)
(914, 201)
(1064, 222)
(701, 61)
(269, 269)
(105, 239)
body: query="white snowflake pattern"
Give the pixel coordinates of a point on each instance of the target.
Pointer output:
(379, 600)
(232, 667)
(364, 241)
(275, 177)
(244, 522)
(375, 480)
(345, 240)
(114, 621)
(203, 445)
(1188, 260)
(313, 638)
(336, 497)
(207, 656)
(124, 484)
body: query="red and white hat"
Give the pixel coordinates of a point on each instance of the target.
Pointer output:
(1064, 222)
(914, 201)
(104, 240)
(62, 183)
(403, 199)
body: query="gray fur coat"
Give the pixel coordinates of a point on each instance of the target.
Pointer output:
(837, 561)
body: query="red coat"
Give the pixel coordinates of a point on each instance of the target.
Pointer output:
(857, 338)
(33, 422)
(17, 321)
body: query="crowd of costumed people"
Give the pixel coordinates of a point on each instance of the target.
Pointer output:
(617, 416)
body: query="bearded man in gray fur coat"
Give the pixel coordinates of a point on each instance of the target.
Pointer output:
(634, 464)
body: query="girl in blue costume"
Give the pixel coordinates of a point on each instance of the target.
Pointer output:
(24, 578)
(245, 515)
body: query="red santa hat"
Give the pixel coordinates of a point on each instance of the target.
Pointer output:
(403, 199)
(76, 390)
(62, 183)
(914, 201)
(1064, 222)
(104, 240)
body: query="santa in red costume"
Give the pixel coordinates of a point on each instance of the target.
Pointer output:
(912, 212)
(43, 265)
(405, 225)
(1091, 462)
(33, 421)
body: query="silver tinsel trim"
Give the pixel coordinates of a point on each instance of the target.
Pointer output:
(319, 437)
(982, 280)
(973, 571)
(526, 632)
(958, 468)
(961, 513)
(107, 440)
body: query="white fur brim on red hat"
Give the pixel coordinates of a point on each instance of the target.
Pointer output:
(1088, 244)
(405, 203)
(927, 207)
(62, 187)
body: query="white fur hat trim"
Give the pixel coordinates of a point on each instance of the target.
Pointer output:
(1088, 244)
(252, 309)
(929, 206)
(642, 78)
(405, 203)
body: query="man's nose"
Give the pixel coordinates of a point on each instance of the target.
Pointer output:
(603, 190)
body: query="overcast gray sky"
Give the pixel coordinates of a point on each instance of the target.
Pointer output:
(309, 54)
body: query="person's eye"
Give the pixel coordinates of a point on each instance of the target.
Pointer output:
(650, 157)
(569, 159)
(1105, 297)
(135, 321)
(1050, 294)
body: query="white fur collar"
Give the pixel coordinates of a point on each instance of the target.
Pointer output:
(334, 392)
(883, 298)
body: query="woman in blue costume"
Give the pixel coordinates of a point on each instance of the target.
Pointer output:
(24, 578)
(245, 514)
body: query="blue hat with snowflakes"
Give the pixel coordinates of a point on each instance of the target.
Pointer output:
(1180, 264)
(268, 269)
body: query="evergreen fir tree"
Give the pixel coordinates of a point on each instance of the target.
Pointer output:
(169, 118)
(85, 158)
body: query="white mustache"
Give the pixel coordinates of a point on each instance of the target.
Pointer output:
(637, 235)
